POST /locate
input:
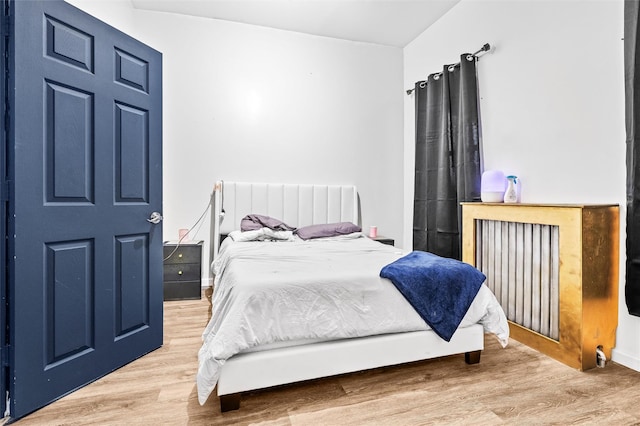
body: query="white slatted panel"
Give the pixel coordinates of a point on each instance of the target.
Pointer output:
(275, 201)
(554, 284)
(545, 284)
(519, 273)
(243, 196)
(334, 198)
(527, 288)
(320, 204)
(535, 279)
(521, 262)
(512, 255)
(504, 263)
(349, 207)
(492, 260)
(305, 205)
(260, 197)
(482, 249)
(291, 198)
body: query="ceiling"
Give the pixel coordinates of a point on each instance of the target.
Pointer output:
(386, 22)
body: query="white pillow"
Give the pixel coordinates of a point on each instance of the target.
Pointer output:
(262, 234)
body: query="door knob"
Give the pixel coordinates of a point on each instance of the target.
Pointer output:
(155, 218)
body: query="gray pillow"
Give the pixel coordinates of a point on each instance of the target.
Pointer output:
(252, 222)
(327, 230)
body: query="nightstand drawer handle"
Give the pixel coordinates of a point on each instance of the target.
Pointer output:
(180, 255)
(179, 272)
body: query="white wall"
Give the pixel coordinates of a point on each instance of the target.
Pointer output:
(117, 13)
(552, 105)
(248, 103)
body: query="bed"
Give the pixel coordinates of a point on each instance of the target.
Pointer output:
(287, 310)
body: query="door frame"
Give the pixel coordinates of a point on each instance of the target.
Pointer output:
(4, 199)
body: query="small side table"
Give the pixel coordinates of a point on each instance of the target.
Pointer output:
(182, 270)
(384, 240)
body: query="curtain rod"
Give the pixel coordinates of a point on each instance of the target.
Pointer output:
(485, 48)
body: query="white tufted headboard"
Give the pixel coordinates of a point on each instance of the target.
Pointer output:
(295, 204)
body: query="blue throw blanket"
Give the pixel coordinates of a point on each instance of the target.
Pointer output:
(439, 289)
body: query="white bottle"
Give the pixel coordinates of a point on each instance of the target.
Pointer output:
(511, 194)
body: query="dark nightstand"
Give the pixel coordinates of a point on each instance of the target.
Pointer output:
(384, 240)
(182, 271)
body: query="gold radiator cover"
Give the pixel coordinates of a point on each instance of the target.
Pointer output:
(588, 274)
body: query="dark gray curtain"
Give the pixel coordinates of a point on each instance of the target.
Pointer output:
(632, 109)
(448, 156)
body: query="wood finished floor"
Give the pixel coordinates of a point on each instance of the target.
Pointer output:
(516, 385)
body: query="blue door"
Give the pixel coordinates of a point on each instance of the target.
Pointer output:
(85, 148)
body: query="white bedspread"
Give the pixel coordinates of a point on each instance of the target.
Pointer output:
(268, 292)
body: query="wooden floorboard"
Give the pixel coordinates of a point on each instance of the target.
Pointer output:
(516, 385)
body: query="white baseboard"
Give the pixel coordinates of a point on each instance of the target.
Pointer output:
(625, 359)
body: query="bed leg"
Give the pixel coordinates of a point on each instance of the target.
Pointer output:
(472, 357)
(229, 402)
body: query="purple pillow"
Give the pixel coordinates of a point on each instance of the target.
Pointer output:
(327, 230)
